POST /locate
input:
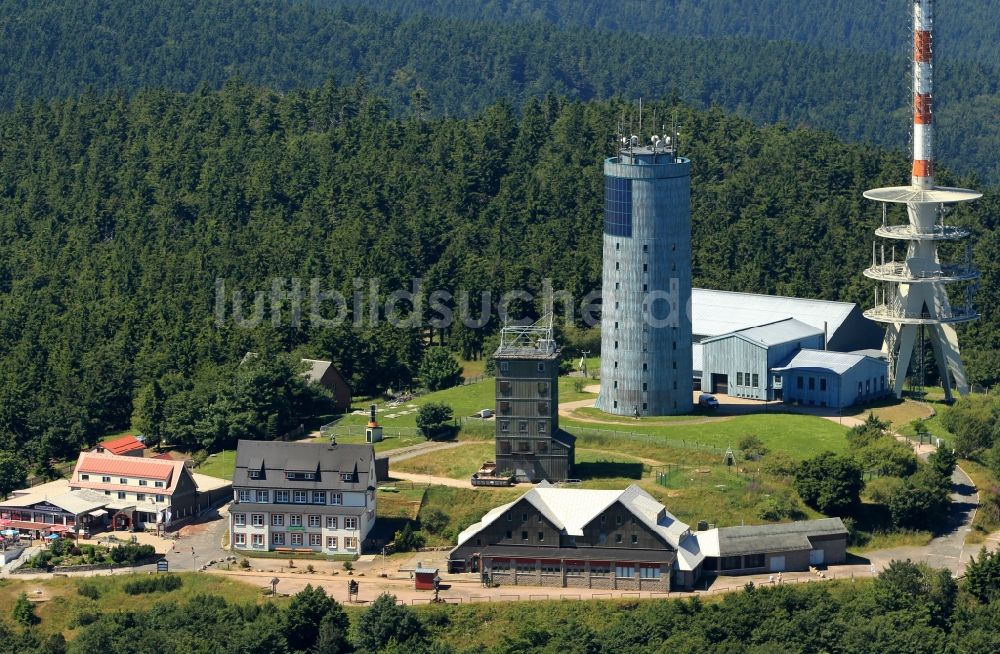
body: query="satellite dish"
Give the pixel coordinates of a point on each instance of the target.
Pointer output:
(634, 141)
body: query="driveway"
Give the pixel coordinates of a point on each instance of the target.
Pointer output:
(200, 541)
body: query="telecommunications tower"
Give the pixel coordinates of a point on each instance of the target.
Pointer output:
(646, 296)
(911, 295)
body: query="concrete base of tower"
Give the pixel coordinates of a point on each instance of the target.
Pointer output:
(639, 404)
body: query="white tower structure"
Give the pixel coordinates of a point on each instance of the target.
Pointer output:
(911, 295)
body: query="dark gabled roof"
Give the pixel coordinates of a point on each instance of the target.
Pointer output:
(329, 461)
(785, 537)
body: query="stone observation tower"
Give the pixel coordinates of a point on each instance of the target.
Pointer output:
(911, 295)
(646, 296)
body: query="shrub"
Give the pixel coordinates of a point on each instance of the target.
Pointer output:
(348, 566)
(84, 615)
(153, 584)
(779, 464)
(131, 552)
(89, 589)
(779, 507)
(24, 611)
(829, 483)
(408, 540)
(88, 551)
(199, 457)
(434, 420)
(433, 520)
(882, 489)
(753, 448)
(245, 564)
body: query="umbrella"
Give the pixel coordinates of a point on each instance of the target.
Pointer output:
(9, 532)
(52, 536)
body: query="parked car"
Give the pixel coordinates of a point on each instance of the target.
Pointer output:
(708, 401)
(484, 413)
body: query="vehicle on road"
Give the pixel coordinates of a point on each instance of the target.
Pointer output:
(708, 401)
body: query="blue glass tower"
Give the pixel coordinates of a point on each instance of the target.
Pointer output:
(646, 299)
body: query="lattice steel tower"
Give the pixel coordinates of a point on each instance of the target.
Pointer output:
(912, 295)
(646, 298)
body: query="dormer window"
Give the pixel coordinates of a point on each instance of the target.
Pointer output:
(254, 474)
(348, 476)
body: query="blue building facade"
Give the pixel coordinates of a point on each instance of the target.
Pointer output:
(740, 363)
(645, 322)
(833, 379)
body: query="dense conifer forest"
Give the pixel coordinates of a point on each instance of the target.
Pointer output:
(119, 214)
(966, 28)
(462, 59)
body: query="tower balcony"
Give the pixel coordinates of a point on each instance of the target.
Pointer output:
(897, 271)
(910, 233)
(889, 313)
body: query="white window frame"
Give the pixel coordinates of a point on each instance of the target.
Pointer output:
(262, 496)
(240, 539)
(331, 542)
(315, 521)
(304, 495)
(295, 520)
(257, 540)
(277, 519)
(331, 522)
(257, 519)
(319, 497)
(296, 539)
(336, 499)
(281, 497)
(245, 495)
(350, 543)
(350, 523)
(240, 519)
(278, 538)
(315, 540)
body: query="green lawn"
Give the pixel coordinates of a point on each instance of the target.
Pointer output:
(219, 465)
(798, 436)
(60, 603)
(464, 401)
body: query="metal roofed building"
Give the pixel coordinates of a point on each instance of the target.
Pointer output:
(570, 537)
(317, 497)
(127, 445)
(719, 312)
(626, 539)
(740, 363)
(775, 547)
(833, 379)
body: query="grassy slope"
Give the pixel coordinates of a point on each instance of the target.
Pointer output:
(798, 436)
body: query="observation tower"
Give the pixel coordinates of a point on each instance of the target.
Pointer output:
(911, 295)
(645, 317)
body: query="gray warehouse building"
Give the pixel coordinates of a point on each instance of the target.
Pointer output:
(739, 363)
(645, 325)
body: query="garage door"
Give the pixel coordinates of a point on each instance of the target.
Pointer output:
(777, 564)
(720, 384)
(816, 557)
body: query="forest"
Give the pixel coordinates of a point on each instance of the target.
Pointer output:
(121, 215)
(460, 62)
(907, 609)
(966, 27)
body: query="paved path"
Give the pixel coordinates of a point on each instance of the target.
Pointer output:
(413, 451)
(948, 549)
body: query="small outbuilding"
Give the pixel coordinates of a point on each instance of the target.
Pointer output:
(833, 379)
(423, 578)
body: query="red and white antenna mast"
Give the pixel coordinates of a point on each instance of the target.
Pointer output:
(923, 93)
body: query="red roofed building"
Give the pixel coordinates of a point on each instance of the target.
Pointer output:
(127, 445)
(145, 491)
